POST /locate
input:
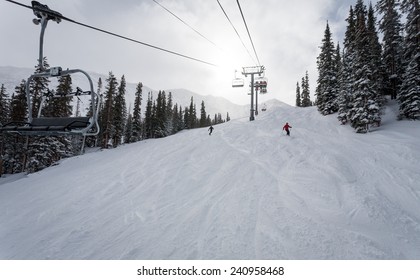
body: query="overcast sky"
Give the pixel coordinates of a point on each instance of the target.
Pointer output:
(286, 36)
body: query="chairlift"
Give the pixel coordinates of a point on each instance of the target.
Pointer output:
(49, 126)
(237, 82)
(261, 84)
(264, 107)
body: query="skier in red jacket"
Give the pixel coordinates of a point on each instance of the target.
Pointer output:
(286, 127)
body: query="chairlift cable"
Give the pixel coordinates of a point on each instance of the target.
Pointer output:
(236, 31)
(119, 36)
(249, 34)
(196, 31)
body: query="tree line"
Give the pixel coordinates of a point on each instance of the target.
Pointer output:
(118, 125)
(303, 98)
(354, 82)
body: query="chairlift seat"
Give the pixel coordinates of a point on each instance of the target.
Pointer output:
(61, 123)
(48, 125)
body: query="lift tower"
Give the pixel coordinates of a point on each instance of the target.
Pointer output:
(252, 70)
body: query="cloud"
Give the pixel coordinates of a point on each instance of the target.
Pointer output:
(286, 36)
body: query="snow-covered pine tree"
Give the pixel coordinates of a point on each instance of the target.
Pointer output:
(169, 112)
(375, 47)
(38, 88)
(120, 114)
(191, 117)
(326, 90)
(161, 116)
(203, 115)
(298, 98)
(305, 97)
(137, 127)
(4, 119)
(128, 134)
(14, 146)
(365, 108)
(63, 107)
(108, 127)
(148, 122)
(4, 106)
(391, 28)
(175, 119)
(409, 96)
(181, 121)
(19, 104)
(346, 76)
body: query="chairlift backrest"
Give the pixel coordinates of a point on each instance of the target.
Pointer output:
(237, 82)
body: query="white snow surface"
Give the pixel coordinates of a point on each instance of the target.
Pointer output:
(246, 192)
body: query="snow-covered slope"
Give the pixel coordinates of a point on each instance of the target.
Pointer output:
(245, 192)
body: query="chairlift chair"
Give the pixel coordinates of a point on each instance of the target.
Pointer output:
(43, 126)
(264, 107)
(261, 84)
(237, 82)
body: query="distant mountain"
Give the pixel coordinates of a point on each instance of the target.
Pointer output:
(12, 76)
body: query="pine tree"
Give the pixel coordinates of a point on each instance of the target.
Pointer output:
(378, 72)
(148, 122)
(175, 120)
(119, 114)
(298, 98)
(187, 120)
(160, 116)
(55, 106)
(14, 147)
(38, 88)
(326, 90)
(4, 106)
(181, 121)
(4, 119)
(128, 134)
(169, 113)
(365, 108)
(305, 97)
(391, 27)
(192, 115)
(203, 115)
(19, 105)
(108, 127)
(136, 135)
(346, 75)
(409, 96)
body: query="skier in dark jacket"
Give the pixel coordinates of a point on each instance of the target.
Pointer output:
(211, 129)
(286, 127)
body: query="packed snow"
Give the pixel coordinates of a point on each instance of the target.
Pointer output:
(248, 191)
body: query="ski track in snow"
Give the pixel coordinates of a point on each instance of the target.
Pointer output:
(248, 191)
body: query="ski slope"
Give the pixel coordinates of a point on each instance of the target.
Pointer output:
(246, 192)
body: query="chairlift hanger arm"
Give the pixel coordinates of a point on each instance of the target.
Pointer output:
(43, 12)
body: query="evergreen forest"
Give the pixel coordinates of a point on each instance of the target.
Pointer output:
(357, 81)
(118, 124)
